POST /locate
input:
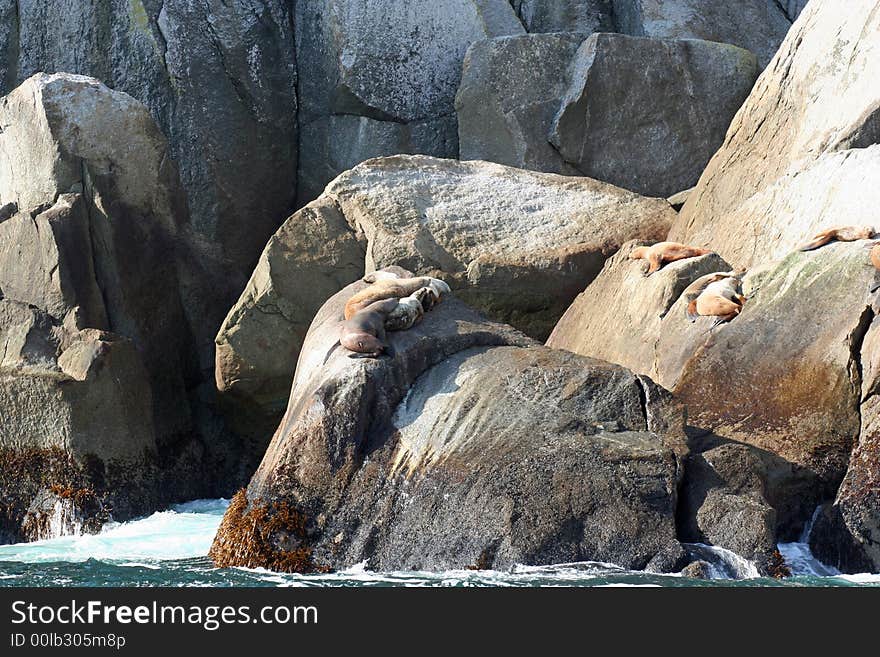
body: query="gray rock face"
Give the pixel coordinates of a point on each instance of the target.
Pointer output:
(809, 114)
(98, 358)
(485, 228)
(756, 25)
(586, 16)
(397, 63)
(218, 77)
(511, 88)
(657, 136)
(846, 534)
(432, 459)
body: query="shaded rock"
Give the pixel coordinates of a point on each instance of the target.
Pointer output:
(310, 258)
(793, 8)
(745, 500)
(584, 16)
(67, 132)
(678, 200)
(218, 77)
(488, 229)
(468, 447)
(99, 366)
(47, 259)
(77, 413)
(804, 108)
(339, 142)
(510, 91)
(846, 534)
(654, 137)
(756, 25)
(397, 62)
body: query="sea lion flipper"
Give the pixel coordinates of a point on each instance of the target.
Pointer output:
(330, 351)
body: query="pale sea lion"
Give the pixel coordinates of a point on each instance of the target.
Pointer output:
(695, 289)
(662, 252)
(410, 310)
(386, 288)
(721, 299)
(839, 233)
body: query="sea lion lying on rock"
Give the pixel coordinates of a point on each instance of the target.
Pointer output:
(839, 233)
(714, 295)
(386, 287)
(364, 332)
(662, 252)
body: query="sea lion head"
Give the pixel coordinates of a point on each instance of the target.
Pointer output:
(363, 343)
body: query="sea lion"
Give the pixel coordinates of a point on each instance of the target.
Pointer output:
(721, 299)
(695, 289)
(410, 310)
(662, 252)
(839, 233)
(386, 288)
(364, 332)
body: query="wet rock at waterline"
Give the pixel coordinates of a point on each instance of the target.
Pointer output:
(467, 448)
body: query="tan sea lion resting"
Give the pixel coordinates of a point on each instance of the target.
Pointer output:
(398, 288)
(839, 233)
(714, 295)
(410, 309)
(662, 252)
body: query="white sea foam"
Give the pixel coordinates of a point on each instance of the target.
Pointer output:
(184, 531)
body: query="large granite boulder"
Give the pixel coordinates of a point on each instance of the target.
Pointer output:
(382, 78)
(487, 229)
(585, 16)
(471, 447)
(756, 25)
(93, 245)
(511, 88)
(654, 134)
(220, 80)
(806, 107)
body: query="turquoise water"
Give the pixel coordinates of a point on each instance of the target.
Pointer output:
(168, 549)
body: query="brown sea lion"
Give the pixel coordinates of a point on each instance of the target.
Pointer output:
(364, 332)
(839, 233)
(662, 252)
(398, 288)
(695, 289)
(721, 299)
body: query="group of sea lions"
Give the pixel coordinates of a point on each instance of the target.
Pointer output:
(718, 294)
(390, 303)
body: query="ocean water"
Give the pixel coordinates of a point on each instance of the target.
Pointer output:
(168, 548)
